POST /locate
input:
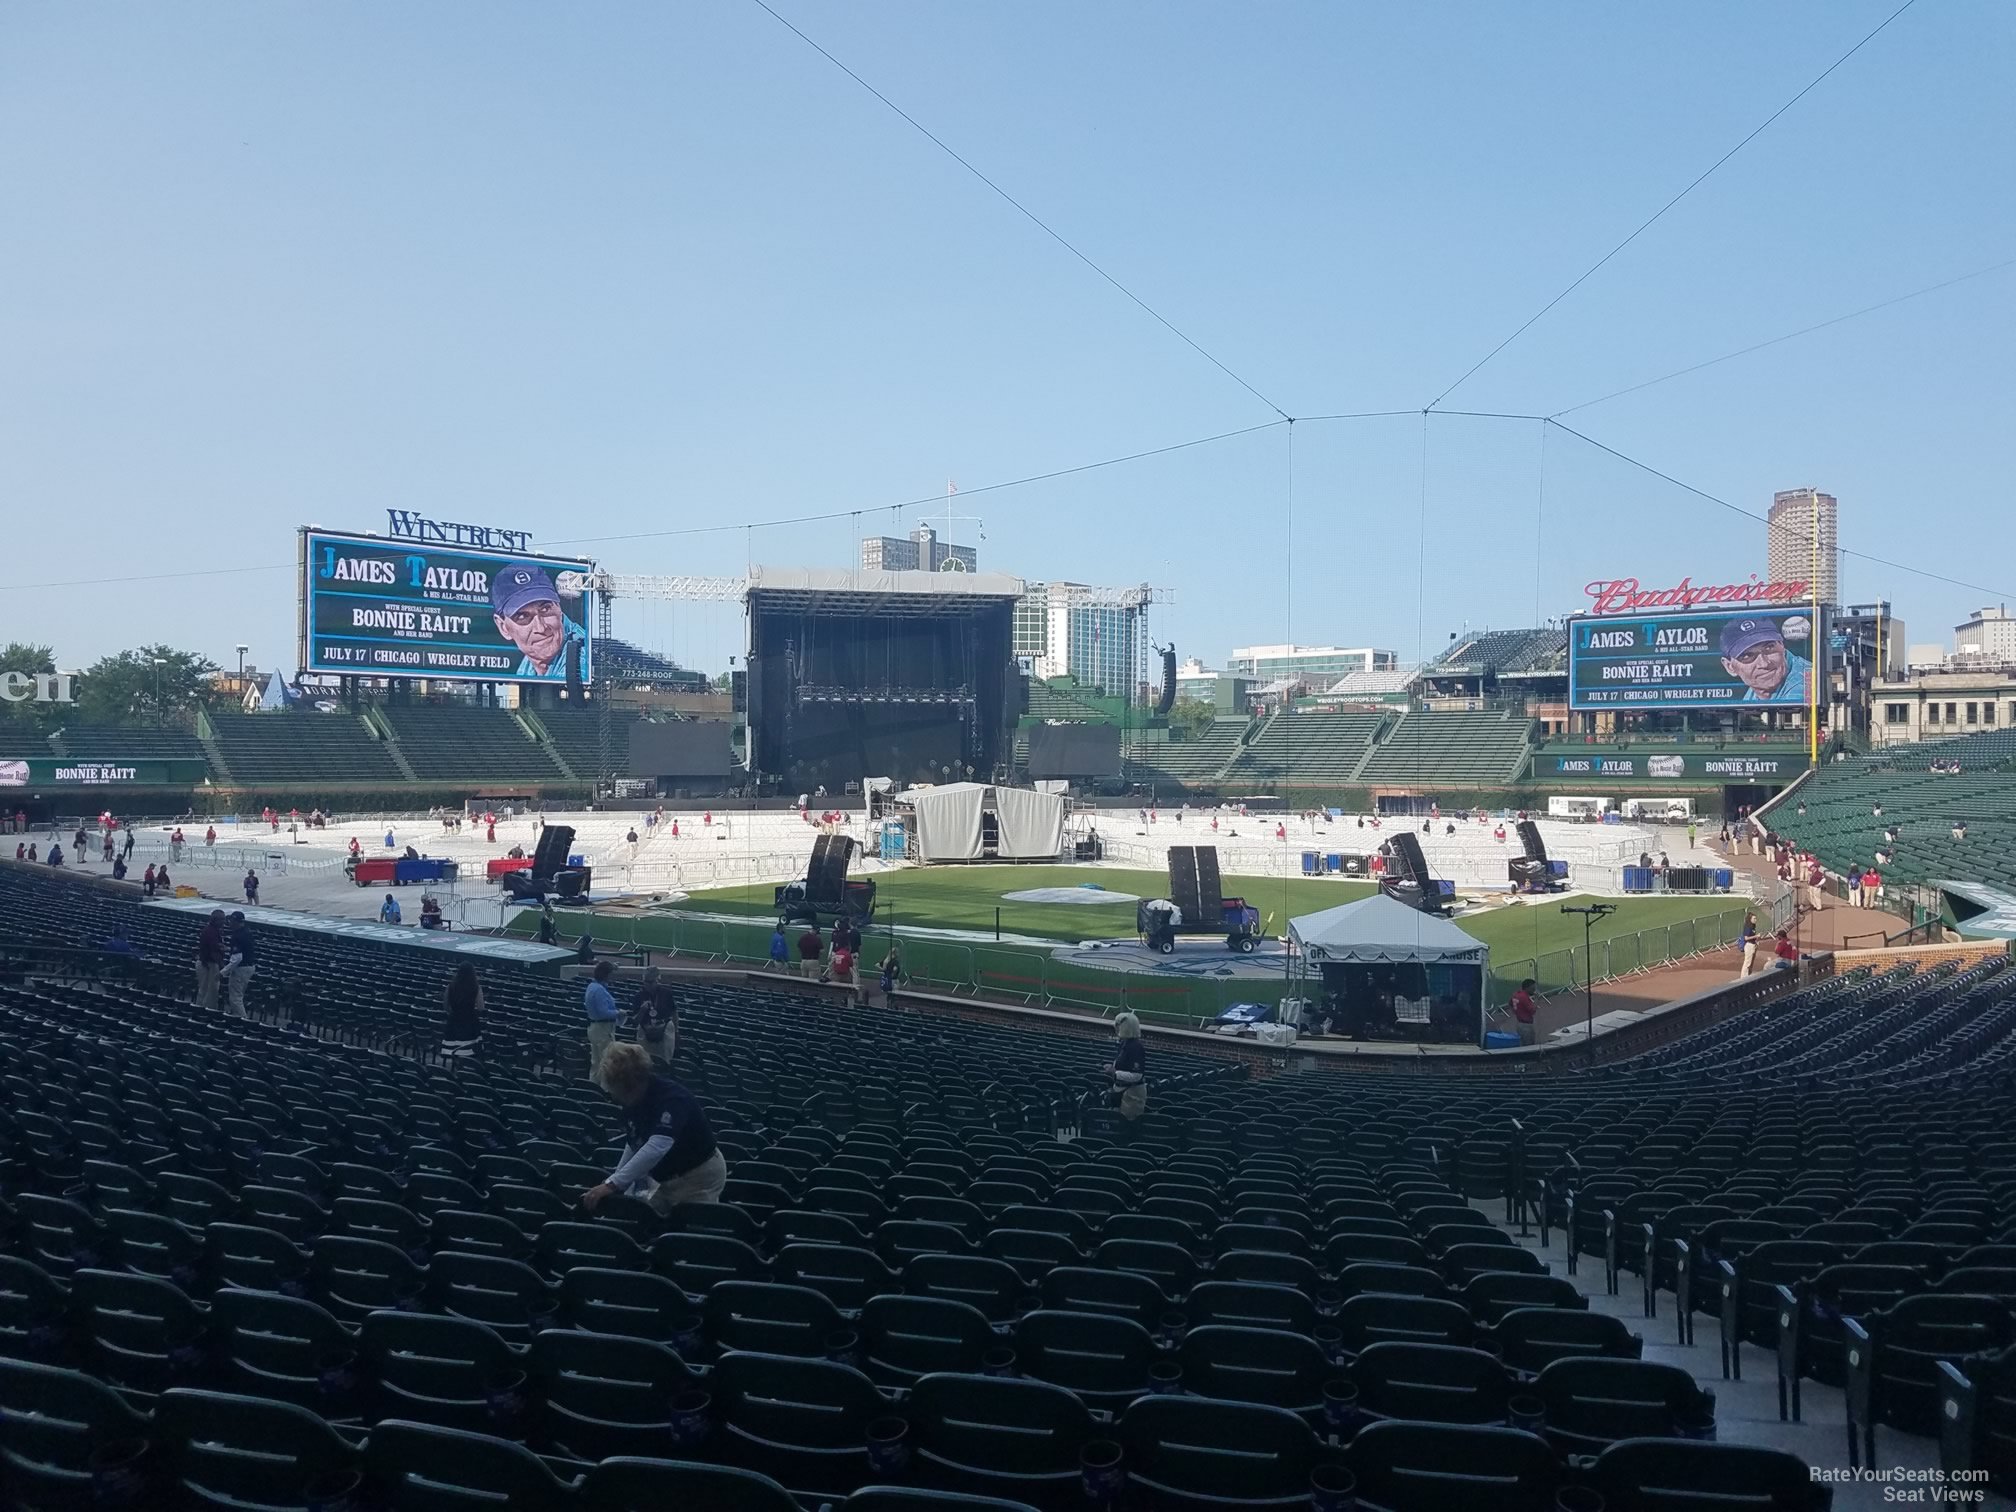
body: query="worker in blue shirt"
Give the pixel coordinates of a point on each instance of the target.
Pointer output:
(388, 912)
(599, 1003)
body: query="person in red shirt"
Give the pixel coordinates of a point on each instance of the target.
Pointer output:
(1872, 887)
(841, 965)
(1280, 832)
(1787, 953)
(1523, 1012)
(1815, 876)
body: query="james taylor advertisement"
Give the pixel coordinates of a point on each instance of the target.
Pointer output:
(1692, 661)
(386, 608)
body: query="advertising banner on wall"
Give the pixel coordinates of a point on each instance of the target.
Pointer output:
(1671, 766)
(39, 772)
(1751, 658)
(373, 607)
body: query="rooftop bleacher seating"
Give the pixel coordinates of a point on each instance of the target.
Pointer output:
(1451, 750)
(294, 747)
(1504, 653)
(299, 1262)
(469, 745)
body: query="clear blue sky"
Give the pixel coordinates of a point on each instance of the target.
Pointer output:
(603, 270)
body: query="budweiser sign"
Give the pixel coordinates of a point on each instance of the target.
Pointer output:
(1624, 596)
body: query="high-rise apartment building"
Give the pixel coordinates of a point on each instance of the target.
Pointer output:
(1791, 554)
(1071, 630)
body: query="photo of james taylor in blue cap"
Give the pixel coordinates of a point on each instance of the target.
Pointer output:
(1755, 654)
(526, 606)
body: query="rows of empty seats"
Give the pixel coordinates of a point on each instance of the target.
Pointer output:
(577, 738)
(1190, 761)
(913, 1278)
(1307, 749)
(1451, 750)
(468, 745)
(126, 743)
(298, 748)
(1836, 815)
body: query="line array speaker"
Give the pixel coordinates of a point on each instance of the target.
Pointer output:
(1210, 890)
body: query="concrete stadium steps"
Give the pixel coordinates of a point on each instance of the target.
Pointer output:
(297, 747)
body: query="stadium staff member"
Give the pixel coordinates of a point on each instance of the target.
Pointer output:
(809, 948)
(243, 961)
(599, 1003)
(668, 1140)
(657, 1017)
(210, 960)
(526, 607)
(1754, 653)
(1748, 940)
(1523, 1012)
(462, 1033)
(1129, 1069)
(388, 911)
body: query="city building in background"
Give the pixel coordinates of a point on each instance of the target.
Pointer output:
(1790, 541)
(1313, 666)
(1989, 636)
(1865, 646)
(1225, 692)
(1939, 705)
(921, 551)
(1085, 633)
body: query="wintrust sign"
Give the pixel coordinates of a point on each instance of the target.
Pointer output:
(37, 687)
(1624, 596)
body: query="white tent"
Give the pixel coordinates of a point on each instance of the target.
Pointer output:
(1029, 826)
(1379, 929)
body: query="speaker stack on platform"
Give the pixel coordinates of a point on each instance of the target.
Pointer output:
(1407, 878)
(550, 871)
(1532, 872)
(826, 873)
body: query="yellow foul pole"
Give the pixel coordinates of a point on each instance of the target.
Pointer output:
(1818, 667)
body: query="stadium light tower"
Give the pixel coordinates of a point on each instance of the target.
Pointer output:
(1590, 913)
(241, 649)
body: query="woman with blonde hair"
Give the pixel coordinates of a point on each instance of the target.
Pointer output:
(669, 1153)
(1129, 1069)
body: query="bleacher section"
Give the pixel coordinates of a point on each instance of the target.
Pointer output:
(1451, 750)
(1840, 824)
(1504, 653)
(125, 743)
(1306, 750)
(295, 748)
(379, 1267)
(1064, 699)
(619, 659)
(1192, 761)
(469, 745)
(577, 737)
